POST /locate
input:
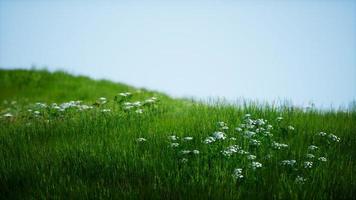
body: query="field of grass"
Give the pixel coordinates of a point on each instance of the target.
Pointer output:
(120, 142)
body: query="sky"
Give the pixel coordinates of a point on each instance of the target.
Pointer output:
(303, 51)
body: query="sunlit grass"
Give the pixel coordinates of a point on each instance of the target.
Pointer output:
(89, 139)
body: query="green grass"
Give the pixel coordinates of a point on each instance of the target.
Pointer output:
(92, 154)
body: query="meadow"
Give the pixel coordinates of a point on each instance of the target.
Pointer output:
(71, 137)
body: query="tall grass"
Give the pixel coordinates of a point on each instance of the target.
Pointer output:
(95, 153)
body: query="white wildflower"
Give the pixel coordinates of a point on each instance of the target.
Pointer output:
(173, 137)
(279, 118)
(233, 138)
(322, 159)
(308, 164)
(334, 138)
(259, 122)
(41, 105)
(249, 134)
(291, 128)
(255, 165)
(128, 107)
(125, 94)
(139, 111)
(251, 157)
(185, 152)
(242, 152)
(137, 104)
(8, 115)
(188, 138)
(221, 124)
(238, 129)
(237, 174)
(300, 180)
(322, 134)
(174, 144)
(196, 152)
(277, 145)
(209, 140)
(141, 139)
(310, 156)
(36, 112)
(149, 101)
(219, 135)
(254, 142)
(290, 163)
(312, 147)
(230, 150)
(105, 110)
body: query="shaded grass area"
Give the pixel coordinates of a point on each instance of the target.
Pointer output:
(95, 155)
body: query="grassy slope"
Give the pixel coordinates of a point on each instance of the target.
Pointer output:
(93, 154)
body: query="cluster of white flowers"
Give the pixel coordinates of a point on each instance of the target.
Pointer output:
(195, 151)
(310, 156)
(322, 134)
(188, 138)
(102, 100)
(141, 139)
(260, 122)
(137, 106)
(300, 180)
(209, 140)
(218, 135)
(230, 150)
(313, 148)
(322, 159)
(277, 145)
(173, 137)
(334, 138)
(330, 136)
(237, 174)
(125, 94)
(223, 126)
(174, 144)
(185, 151)
(249, 134)
(151, 100)
(72, 104)
(251, 157)
(308, 164)
(255, 165)
(290, 163)
(243, 152)
(41, 105)
(254, 142)
(279, 118)
(291, 128)
(8, 115)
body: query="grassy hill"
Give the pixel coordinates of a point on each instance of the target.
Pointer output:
(73, 137)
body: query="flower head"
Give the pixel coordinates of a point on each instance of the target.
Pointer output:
(255, 165)
(308, 164)
(141, 139)
(237, 174)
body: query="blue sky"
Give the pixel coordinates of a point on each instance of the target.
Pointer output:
(297, 50)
